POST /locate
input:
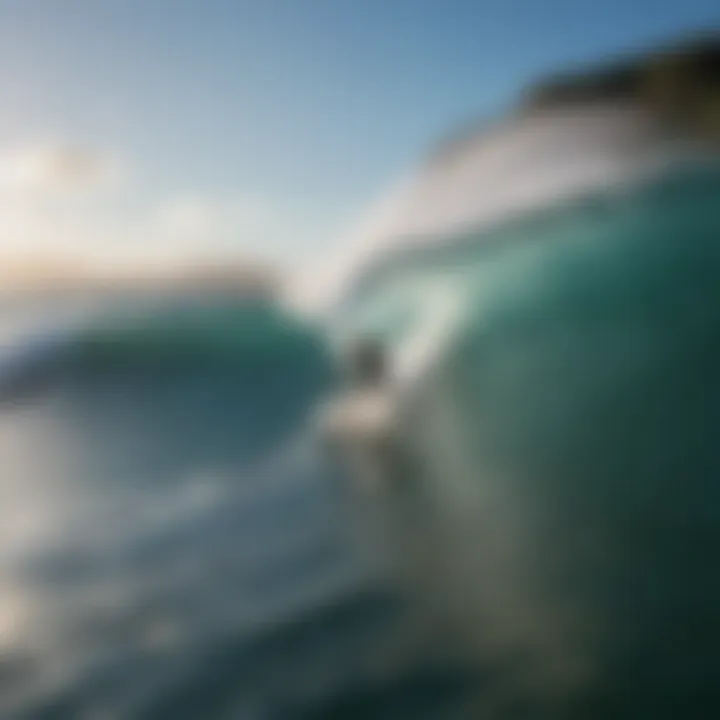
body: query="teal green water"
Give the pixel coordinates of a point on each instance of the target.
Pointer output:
(185, 548)
(568, 440)
(175, 544)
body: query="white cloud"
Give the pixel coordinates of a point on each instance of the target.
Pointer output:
(55, 167)
(59, 201)
(195, 222)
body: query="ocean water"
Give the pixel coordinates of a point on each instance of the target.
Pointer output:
(174, 544)
(566, 434)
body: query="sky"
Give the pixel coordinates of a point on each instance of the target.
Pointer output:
(160, 129)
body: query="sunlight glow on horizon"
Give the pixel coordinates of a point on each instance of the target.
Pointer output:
(62, 214)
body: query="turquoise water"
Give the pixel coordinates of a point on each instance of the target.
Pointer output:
(173, 545)
(572, 427)
(567, 438)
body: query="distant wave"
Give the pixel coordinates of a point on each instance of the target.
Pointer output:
(37, 348)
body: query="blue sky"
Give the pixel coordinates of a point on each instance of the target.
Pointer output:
(262, 126)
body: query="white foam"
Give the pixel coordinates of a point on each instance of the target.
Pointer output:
(528, 163)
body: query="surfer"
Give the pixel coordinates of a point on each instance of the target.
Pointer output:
(358, 422)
